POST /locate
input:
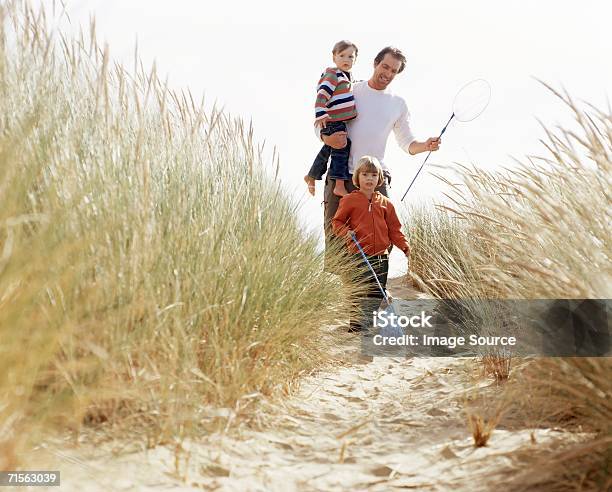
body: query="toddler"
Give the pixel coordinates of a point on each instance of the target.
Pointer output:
(334, 106)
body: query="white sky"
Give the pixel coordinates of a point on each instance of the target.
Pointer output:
(262, 60)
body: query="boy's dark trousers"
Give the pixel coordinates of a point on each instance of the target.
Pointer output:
(365, 304)
(338, 169)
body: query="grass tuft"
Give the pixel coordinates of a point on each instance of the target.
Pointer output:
(497, 366)
(481, 429)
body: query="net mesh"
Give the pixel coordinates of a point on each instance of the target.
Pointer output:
(471, 100)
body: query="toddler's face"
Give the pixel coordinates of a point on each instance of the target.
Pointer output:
(344, 59)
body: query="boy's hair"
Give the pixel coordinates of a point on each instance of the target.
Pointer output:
(342, 45)
(368, 164)
(395, 52)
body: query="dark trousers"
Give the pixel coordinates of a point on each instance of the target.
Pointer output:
(330, 203)
(364, 304)
(338, 169)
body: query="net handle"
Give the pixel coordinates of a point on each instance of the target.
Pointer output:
(427, 157)
(370, 267)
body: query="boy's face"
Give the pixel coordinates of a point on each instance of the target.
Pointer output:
(368, 181)
(344, 59)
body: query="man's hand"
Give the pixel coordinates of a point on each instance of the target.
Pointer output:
(336, 140)
(430, 145)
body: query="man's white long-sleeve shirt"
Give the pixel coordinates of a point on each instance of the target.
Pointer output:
(379, 113)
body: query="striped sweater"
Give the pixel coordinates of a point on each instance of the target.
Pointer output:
(335, 96)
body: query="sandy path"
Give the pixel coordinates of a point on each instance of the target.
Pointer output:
(384, 424)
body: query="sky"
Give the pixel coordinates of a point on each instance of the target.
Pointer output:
(261, 61)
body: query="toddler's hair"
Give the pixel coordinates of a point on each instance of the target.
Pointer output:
(344, 44)
(368, 164)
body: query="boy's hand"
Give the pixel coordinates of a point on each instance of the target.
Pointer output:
(322, 123)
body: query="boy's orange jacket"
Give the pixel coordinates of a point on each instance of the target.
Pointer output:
(374, 222)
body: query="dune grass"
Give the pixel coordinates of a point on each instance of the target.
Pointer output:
(537, 231)
(151, 265)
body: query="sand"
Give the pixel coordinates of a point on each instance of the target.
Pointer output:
(363, 424)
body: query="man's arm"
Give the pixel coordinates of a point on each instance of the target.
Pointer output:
(337, 140)
(406, 139)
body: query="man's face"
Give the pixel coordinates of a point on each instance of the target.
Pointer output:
(385, 72)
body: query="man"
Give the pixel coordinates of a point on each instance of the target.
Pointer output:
(380, 112)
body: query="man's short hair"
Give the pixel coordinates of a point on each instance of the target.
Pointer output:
(344, 44)
(368, 164)
(395, 52)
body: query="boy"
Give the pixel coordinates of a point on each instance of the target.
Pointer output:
(334, 106)
(372, 217)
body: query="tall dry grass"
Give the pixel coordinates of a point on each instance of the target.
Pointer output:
(437, 260)
(538, 231)
(151, 267)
